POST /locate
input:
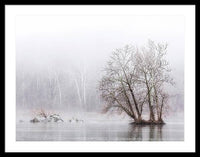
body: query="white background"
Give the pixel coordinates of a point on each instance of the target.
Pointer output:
(189, 141)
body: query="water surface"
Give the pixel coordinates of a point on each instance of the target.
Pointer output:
(98, 131)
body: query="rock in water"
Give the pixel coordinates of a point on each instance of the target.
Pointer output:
(55, 118)
(51, 118)
(34, 120)
(75, 120)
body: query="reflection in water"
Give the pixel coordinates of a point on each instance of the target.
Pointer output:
(99, 131)
(150, 132)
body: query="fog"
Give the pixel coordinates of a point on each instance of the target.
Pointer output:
(70, 52)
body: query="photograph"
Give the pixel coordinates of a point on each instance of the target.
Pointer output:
(99, 78)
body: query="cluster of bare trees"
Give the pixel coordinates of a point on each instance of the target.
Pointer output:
(54, 88)
(134, 82)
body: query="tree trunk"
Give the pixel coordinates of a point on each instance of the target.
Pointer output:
(127, 99)
(156, 99)
(59, 90)
(161, 108)
(151, 116)
(132, 94)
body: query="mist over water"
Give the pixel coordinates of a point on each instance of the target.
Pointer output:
(59, 62)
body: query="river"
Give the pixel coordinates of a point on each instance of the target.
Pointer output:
(98, 131)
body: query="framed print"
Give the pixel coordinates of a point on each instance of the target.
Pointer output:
(100, 78)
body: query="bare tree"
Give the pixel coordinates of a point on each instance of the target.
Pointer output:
(135, 78)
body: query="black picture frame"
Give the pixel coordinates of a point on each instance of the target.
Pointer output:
(4, 3)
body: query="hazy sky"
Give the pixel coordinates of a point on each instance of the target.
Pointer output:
(89, 40)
